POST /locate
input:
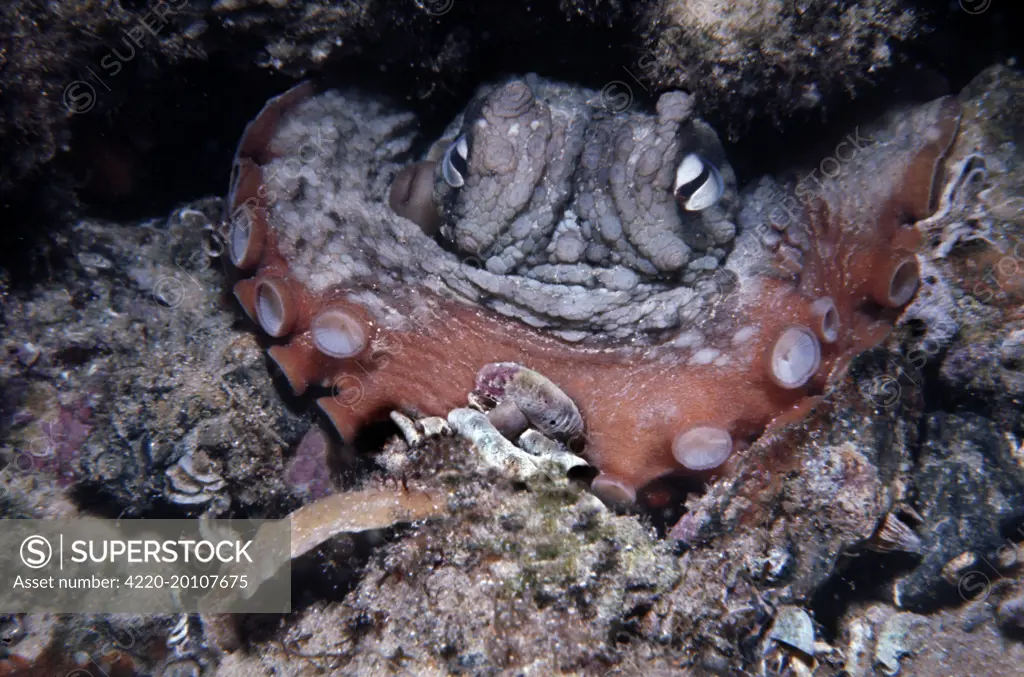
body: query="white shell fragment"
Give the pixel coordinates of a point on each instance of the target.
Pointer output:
(455, 163)
(433, 426)
(698, 183)
(794, 628)
(537, 444)
(338, 334)
(407, 427)
(795, 357)
(416, 431)
(497, 452)
(702, 448)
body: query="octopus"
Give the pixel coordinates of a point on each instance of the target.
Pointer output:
(599, 265)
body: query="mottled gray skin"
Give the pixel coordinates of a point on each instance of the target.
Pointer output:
(560, 187)
(567, 219)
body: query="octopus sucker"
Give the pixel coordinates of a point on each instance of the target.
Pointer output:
(276, 308)
(245, 294)
(702, 448)
(596, 274)
(337, 333)
(248, 233)
(613, 490)
(896, 280)
(824, 318)
(795, 357)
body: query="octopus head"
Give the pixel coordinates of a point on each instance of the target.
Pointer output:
(537, 179)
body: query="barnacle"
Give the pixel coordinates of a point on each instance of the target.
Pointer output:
(607, 256)
(893, 534)
(541, 402)
(194, 480)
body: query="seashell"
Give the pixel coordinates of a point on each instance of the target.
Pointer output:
(193, 480)
(543, 403)
(434, 426)
(407, 427)
(794, 628)
(893, 535)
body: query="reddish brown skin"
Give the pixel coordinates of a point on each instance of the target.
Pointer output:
(633, 401)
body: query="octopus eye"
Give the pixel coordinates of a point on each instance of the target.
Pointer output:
(455, 164)
(698, 184)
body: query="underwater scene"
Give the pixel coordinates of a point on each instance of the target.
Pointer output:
(667, 338)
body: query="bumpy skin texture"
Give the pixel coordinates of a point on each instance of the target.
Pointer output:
(654, 321)
(561, 190)
(566, 222)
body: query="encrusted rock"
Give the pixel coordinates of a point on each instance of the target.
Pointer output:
(194, 480)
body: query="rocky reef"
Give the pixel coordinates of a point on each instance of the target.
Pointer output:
(88, 87)
(874, 529)
(557, 362)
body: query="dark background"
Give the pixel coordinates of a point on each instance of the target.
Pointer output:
(166, 131)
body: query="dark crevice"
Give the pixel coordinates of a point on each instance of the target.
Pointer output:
(863, 577)
(166, 132)
(1012, 529)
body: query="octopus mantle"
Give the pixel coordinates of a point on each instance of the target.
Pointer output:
(546, 231)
